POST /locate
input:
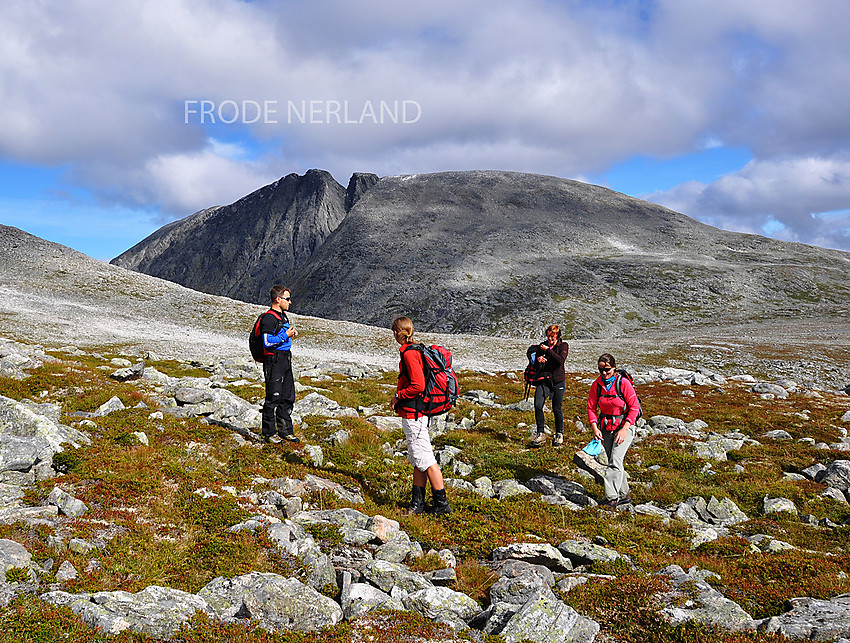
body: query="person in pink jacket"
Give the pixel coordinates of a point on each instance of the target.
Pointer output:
(615, 398)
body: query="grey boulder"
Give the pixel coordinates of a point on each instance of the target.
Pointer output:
(363, 598)
(433, 602)
(837, 475)
(156, 611)
(813, 619)
(274, 602)
(545, 619)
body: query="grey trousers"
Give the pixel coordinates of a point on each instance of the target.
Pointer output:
(616, 481)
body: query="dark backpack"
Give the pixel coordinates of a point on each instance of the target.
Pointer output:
(441, 387)
(535, 373)
(255, 339)
(618, 390)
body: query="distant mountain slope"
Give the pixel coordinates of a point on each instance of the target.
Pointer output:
(500, 253)
(240, 250)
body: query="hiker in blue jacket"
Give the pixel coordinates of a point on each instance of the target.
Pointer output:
(278, 334)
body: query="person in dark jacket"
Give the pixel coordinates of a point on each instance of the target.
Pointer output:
(278, 334)
(550, 356)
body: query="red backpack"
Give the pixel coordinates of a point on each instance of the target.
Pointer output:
(534, 373)
(441, 387)
(255, 339)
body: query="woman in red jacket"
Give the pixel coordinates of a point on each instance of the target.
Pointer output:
(614, 425)
(420, 453)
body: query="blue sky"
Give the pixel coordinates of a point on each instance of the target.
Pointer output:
(732, 112)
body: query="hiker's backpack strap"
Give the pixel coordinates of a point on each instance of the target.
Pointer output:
(618, 386)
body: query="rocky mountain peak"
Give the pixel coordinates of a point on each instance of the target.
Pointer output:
(240, 250)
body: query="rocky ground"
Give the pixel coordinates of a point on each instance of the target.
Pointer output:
(371, 567)
(58, 304)
(55, 296)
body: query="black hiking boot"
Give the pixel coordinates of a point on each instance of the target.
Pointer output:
(441, 504)
(417, 501)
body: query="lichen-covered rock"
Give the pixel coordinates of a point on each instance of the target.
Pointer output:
(717, 448)
(386, 575)
(813, 619)
(837, 475)
(590, 464)
(545, 619)
(519, 581)
(20, 419)
(780, 435)
(385, 423)
(584, 553)
(363, 598)
(13, 554)
(777, 505)
(276, 603)
(317, 404)
(770, 389)
(156, 611)
(67, 503)
(110, 406)
(694, 600)
(724, 512)
(507, 488)
(438, 601)
(574, 492)
(534, 553)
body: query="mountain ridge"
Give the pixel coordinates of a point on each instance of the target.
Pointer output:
(503, 253)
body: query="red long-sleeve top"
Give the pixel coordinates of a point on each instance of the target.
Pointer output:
(411, 379)
(611, 404)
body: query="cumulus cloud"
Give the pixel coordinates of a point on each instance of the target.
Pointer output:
(565, 88)
(184, 182)
(796, 199)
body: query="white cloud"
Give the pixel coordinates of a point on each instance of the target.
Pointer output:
(796, 199)
(564, 88)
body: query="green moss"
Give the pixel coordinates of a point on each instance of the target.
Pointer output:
(17, 575)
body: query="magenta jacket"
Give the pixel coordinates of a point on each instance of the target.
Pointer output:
(612, 408)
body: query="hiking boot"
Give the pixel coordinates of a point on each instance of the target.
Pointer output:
(290, 437)
(622, 502)
(271, 439)
(441, 504)
(417, 501)
(558, 440)
(538, 441)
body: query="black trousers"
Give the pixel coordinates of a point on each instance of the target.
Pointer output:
(556, 392)
(280, 394)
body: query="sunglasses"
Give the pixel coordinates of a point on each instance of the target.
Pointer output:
(286, 298)
(606, 370)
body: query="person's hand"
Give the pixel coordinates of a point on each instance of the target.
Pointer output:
(292, 332)
(542, 359)
(394, 401)
(621, 434)
(597, 434)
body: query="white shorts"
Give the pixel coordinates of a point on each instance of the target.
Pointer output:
(420, 453)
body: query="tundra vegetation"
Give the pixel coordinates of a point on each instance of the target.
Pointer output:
(162, 533)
